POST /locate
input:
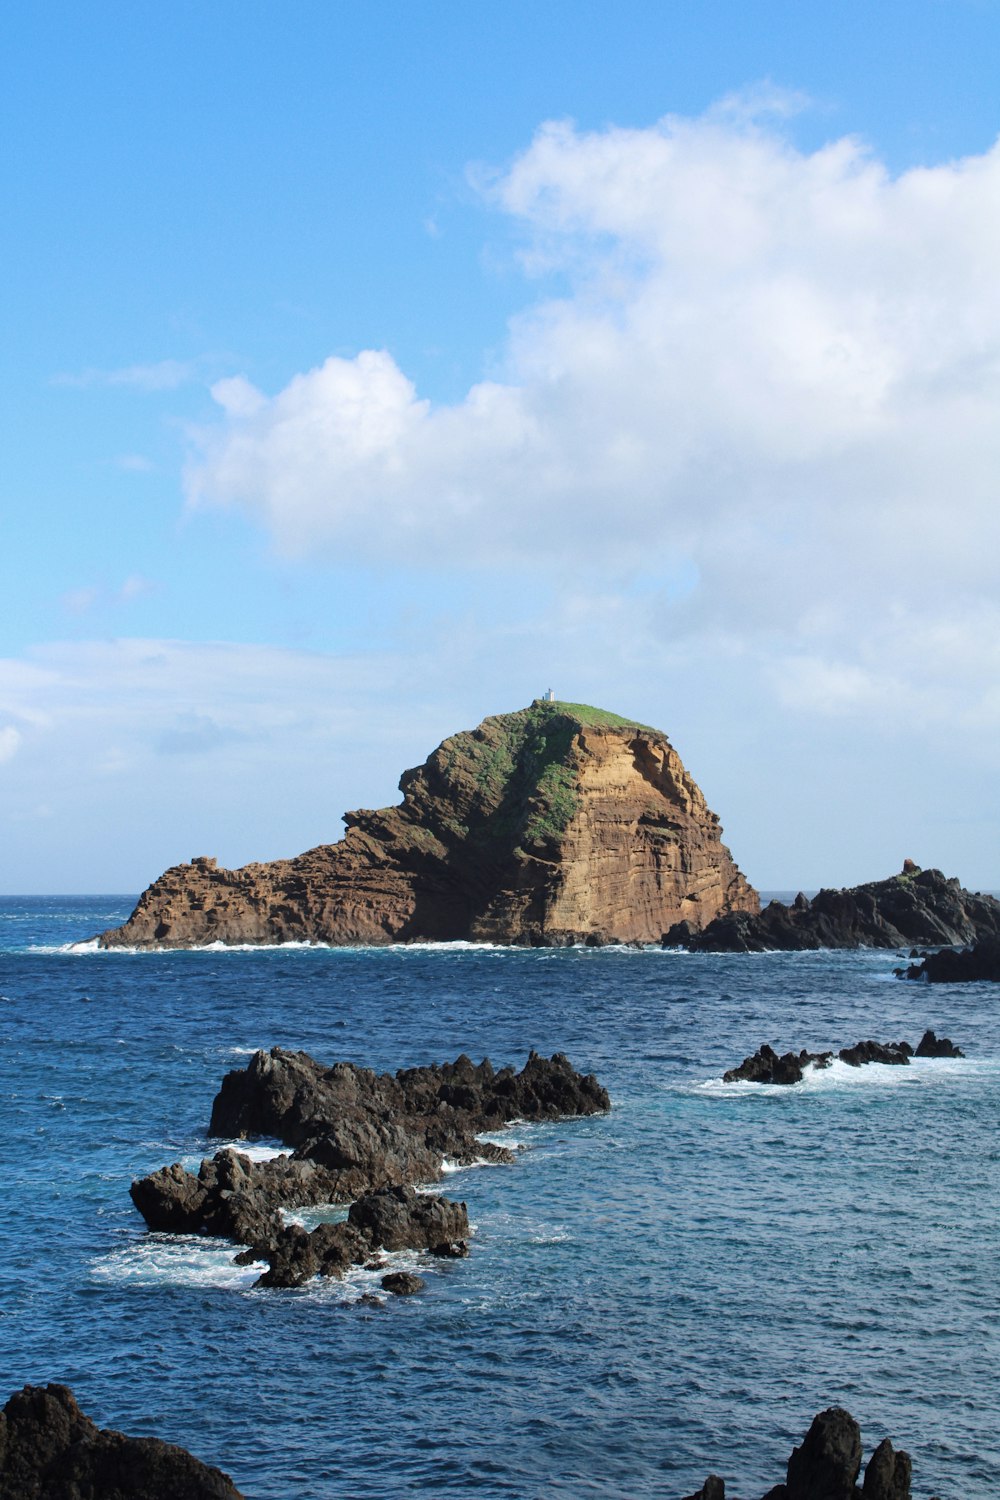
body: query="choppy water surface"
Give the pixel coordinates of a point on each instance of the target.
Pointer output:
(675, 1288)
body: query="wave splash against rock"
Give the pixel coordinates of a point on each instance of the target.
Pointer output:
(358, 1137)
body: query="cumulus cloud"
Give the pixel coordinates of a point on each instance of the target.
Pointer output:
(775, 368)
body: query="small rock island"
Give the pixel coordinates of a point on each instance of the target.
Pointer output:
(554, 825)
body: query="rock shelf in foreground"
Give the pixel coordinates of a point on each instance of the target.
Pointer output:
(557, 824)
(827, 1466)
(766, 1066)
(357, 1137)
(49, 1450)
(920, 907)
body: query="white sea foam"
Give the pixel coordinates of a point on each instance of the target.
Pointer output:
(920, 1072)
(186, 1260)
(255, 1150)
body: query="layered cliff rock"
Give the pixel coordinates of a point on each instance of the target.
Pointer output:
(556, 824)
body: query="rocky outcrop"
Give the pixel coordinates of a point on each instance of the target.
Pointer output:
(557, 824)
(50, 1451)
(358, 1137)
(916, 906)
(981, 961)
(766, 1066)
(827, 1464)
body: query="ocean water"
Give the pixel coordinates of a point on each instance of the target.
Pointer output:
(672, 1289)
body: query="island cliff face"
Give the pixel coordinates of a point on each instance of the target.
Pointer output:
(556, 824)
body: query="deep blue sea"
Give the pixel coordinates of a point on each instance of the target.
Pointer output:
(673, 1289)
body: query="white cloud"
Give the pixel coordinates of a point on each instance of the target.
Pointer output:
(163, 375)
(778, 369)
(10, 742)
(82, 600)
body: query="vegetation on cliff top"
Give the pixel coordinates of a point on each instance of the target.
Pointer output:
(519, 764)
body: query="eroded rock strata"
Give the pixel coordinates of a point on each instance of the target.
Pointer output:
(357, 1137)
(766, 1066)
(916, 906)
(557, 824)
(49, 1450)
(827, 1466)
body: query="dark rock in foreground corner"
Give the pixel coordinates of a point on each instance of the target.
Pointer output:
(765, 1065)
(50, 1451)
(827, 1463)
(981, 961)
(916, 906)
(360, 1138)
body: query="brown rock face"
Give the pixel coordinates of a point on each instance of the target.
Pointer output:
(557, 824)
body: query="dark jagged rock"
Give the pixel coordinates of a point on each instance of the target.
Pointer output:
(402, 1283)
(348, 1117)
(360, 1138)
(765, 1065)
(888, 1474)
(49, 1450)
(827, 1463)
(981, 961)
(892, 1053)
(714, 1488)
(930, 1045)
(557, 824)
(402, 1219)
(916, 906)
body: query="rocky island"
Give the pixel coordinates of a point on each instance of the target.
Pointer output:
(553, 825)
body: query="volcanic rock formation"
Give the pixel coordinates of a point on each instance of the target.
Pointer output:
(556, 824)
(765, 1065)
(827, 1465)
(360, 1138)
(916, 906)
(50, 1451)
(981, 961)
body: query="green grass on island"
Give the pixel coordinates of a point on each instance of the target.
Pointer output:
(519, 766)
(586, 715)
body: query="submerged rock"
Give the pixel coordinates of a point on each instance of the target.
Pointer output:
(360, 1138)
(49, 1450)
(916, 906)
(403, 1283)
(556, 824)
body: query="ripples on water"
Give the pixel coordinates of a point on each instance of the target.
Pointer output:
(676, 1288)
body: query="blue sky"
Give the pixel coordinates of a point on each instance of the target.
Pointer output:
(368, 369)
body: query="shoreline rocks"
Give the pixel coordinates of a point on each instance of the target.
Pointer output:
(827, 1465)
(981, 961)
(358, 1138)
(50, 1449)
(766, 1066)
(914, 907)
(554, 825)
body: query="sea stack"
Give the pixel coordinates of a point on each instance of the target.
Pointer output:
(553, 825)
